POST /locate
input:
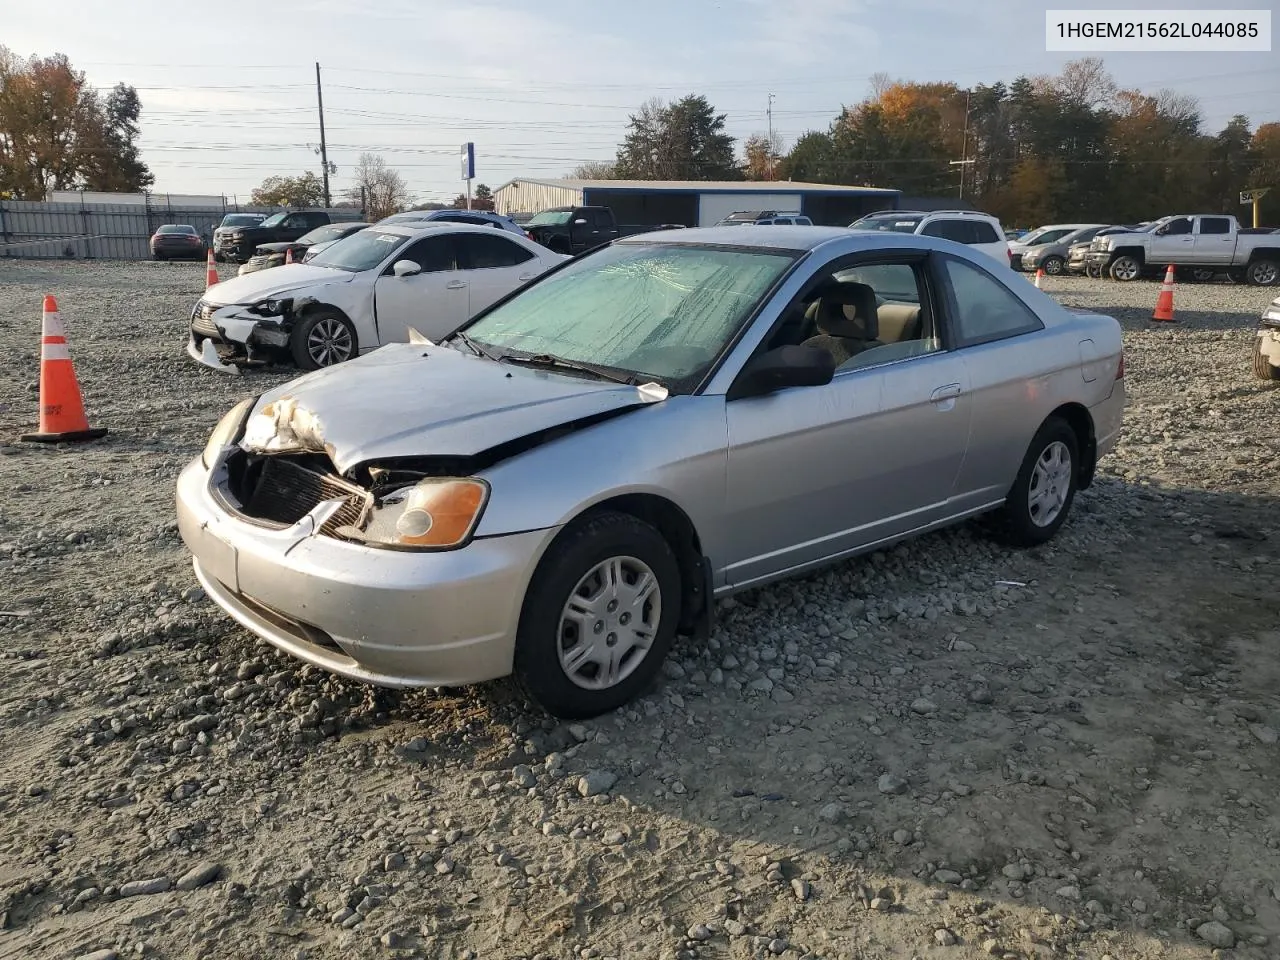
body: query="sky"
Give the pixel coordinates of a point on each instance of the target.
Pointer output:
(229, 98)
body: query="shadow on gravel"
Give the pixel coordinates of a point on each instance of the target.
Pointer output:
(1098, 746)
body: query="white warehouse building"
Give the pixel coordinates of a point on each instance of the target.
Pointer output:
(695, 203)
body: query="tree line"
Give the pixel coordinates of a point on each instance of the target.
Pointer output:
(1068, 147)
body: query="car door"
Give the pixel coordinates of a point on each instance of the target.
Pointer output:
(294, 226)
(1010, 369)
(1172, 243)
(435, 301)
(815, 472)
(1214, 242)
(492, 266)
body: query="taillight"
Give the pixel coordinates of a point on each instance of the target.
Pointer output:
(528, 234)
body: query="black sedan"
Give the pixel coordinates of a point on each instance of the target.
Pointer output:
(177, 241)
(267, 255)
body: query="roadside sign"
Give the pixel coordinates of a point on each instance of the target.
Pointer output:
(468, 161)
(1249, 196)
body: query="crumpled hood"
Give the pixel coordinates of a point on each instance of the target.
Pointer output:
(252, 287)
(412, 400)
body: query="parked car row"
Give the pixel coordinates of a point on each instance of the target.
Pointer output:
(1199, 247)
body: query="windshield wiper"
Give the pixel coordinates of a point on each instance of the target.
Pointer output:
(550, 360)
(478, 350)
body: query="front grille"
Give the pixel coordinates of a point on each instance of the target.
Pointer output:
(202, 320)
(283, 491)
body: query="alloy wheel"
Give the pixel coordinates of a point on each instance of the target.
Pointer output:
(329, 342)
(1050, 484)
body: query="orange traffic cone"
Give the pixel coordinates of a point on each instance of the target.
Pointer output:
(1164, 302)
(1039, 277)
(288, 255)
(210, 271)
(61, 406)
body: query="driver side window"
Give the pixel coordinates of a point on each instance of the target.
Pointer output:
(433, 255)
(865, 315)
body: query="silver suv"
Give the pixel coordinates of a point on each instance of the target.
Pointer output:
(970, 227)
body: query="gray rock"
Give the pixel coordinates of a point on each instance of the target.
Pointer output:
(699, 931)
(596, 782)
(923, 706)
(944, 937)
(522, 776)
(1264, 734)
(1216, 934)
(137, 888)
(981, 695)
(99, 955)
(1069, 892)
(198, 876)
(890, 784)
(948, 876)
(881, 904)
(902, 837)
(832, 813)
(801, 888)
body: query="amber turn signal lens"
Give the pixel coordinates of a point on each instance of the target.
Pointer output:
(441, 513)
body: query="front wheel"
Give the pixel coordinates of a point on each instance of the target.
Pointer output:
(1125, 268)
(321, 339)
(599, 617)
(1263, 368)
(1053, 266)
(1045, 487)
(1263, 273)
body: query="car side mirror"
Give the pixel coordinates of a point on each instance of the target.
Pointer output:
(405, 268)
(787, 366)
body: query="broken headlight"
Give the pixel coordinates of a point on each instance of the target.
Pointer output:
(227, 431)
(272, 307)
(439, 513)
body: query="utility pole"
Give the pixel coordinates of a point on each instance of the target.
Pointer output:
(324, 153)
(964, 146)
(769, 146)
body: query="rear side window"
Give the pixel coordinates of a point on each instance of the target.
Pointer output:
(983, 308)
(483, 251)
(956, 230)
(983, 232)
(604, 219)
(1215, 225)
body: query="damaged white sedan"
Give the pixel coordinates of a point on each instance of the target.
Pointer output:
(560, 487)
(361, 292)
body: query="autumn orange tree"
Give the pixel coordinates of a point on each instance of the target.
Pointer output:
(58, 133)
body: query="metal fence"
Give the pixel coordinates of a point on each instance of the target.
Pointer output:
(101, 231)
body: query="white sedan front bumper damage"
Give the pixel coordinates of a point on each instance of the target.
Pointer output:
(228, 338)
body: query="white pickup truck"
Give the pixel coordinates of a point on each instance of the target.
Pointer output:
(1203, 244)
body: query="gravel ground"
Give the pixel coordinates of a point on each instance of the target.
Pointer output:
(946, 749)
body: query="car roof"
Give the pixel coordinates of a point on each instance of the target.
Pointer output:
(797, 237)
(425, 227)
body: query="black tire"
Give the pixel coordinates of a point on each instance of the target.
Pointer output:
(327, 323)
(579, 550)
(1125, 268)
(1018, 525)
(1202, 274)
(1263, 368)
(1263, 273)
(1054, 266)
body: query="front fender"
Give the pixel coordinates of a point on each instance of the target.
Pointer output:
(675, 449)
(354, 298)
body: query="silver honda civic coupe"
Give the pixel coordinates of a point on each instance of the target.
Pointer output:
(573, 477)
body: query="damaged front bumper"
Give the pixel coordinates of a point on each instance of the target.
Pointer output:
(230, 338)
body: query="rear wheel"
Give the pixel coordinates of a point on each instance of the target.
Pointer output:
(1263, 273)
(1263, 368)
(321, 339)
(1045, 487)
(1125, 268)
(599, 617)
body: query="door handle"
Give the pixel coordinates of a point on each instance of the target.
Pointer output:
(949, 392)
(525, 276)
(455, 284)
